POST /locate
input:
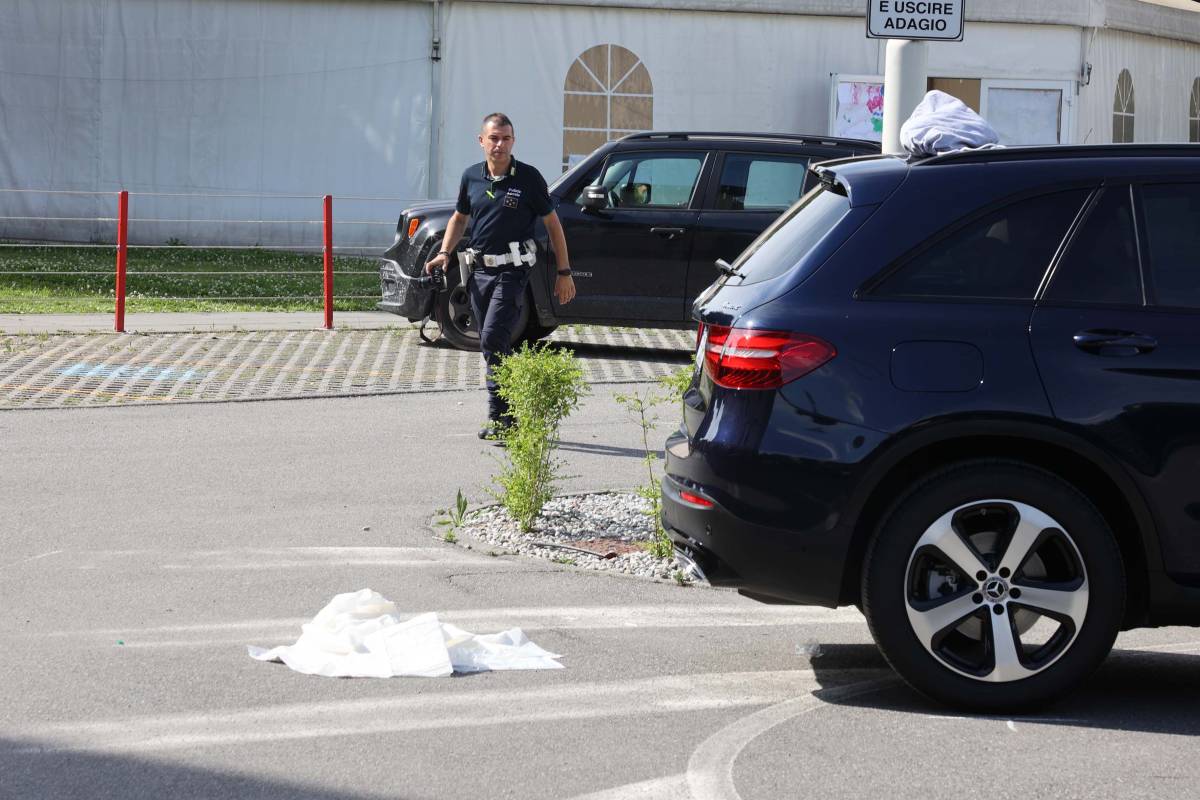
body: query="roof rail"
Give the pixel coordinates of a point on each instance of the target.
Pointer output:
(979, 156)
(782, 137)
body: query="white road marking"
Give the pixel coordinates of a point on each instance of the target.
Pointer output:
(1012, 726)
(710, 769)
(340, 562)
(672, 787)
(1174, 647)
(427, 711)
(568, 618)
(31, 558)
(483, 620)
(987, 719)
(256, 559)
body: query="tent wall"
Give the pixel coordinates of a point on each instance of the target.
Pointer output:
(311, 97)
(213, 96)
(710, 71)
(1163, 71)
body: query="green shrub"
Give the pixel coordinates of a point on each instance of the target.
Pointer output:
(542, 386)
(641, 407)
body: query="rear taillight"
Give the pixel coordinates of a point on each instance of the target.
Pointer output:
(743, 358)
(695, 499)
(413, 224)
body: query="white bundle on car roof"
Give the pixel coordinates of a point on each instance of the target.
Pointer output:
(942, 123)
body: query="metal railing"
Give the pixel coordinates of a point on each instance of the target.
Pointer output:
(122, 246)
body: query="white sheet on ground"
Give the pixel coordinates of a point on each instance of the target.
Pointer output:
(941, 123)
(360, 635)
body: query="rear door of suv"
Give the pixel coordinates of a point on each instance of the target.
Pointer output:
(632, 257)
(1116, 337)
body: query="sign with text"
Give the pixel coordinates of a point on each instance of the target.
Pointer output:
(940, 20)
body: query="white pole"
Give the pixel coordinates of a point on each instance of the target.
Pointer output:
(905, 71)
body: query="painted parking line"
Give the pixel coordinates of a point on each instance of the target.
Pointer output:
(432, 711)
(286, 558)
(532, 618)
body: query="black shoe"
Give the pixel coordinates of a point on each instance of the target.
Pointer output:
(493, 431)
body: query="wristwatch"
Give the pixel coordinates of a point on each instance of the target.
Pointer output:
(565, 272)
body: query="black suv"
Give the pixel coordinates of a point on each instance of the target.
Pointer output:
(659, 210)
(963, 394)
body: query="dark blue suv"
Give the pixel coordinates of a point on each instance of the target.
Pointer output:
(963, 394)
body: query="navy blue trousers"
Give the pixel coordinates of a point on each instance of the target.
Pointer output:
(496, 294)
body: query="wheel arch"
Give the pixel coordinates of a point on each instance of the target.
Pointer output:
(1083, 465)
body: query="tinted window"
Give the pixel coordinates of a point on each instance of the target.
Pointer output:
(1003, 254)
(1173, 237)
(760, 182)
(1101, 265)
(651, 179)
(781, 246)
(576, 180)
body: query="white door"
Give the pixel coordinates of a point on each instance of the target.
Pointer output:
(1028, 112)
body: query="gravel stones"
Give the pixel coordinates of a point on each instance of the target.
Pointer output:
(602, 531)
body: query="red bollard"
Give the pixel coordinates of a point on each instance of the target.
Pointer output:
(328, 262)
(122, 250)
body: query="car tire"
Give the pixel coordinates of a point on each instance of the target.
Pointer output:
(993, 586)
(452, 312)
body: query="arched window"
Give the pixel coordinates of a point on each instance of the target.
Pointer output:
(1194, 113)
(607, 94)
(1123, 109)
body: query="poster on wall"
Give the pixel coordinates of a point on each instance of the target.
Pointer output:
(856, 106)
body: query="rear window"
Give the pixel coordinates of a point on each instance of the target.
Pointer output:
(1002, 255)
(781, 246)
(1173, 228)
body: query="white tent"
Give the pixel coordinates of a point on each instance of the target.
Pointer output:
(286, 100)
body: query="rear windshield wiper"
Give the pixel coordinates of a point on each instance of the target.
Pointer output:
(727, 268)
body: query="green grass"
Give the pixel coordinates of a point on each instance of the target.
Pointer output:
(52, 280)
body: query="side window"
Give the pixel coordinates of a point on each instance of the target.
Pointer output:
(752, 182)
(658, 180)
(1173, 236)
(1101, 265)
(1001, 255)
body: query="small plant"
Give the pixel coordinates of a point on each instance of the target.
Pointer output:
(449, 537)
(542, 385)
(452, 518)
(678, 382)
(641, 405)
(563, 560)
(174, 242)
(679, 577)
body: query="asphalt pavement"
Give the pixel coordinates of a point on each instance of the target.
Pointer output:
(144, 546)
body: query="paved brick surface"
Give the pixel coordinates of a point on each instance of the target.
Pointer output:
(63, 370)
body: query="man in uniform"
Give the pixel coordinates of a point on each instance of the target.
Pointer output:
(502, 199)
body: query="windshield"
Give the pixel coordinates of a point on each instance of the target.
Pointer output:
(569, 174)
(781, 246)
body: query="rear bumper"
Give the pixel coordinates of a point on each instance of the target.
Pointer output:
(771, 563)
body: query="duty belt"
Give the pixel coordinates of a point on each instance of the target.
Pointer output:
(514, 256)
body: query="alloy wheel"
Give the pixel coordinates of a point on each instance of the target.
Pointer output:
(459, 308)
(996, 590)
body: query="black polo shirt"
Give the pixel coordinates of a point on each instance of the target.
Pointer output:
(503, 210)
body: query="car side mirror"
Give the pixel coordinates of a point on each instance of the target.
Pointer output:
(594, 198)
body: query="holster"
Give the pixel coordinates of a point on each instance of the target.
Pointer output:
(466, 263)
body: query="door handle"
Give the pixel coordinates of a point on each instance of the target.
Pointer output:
(1106, 342)
(668, 233)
